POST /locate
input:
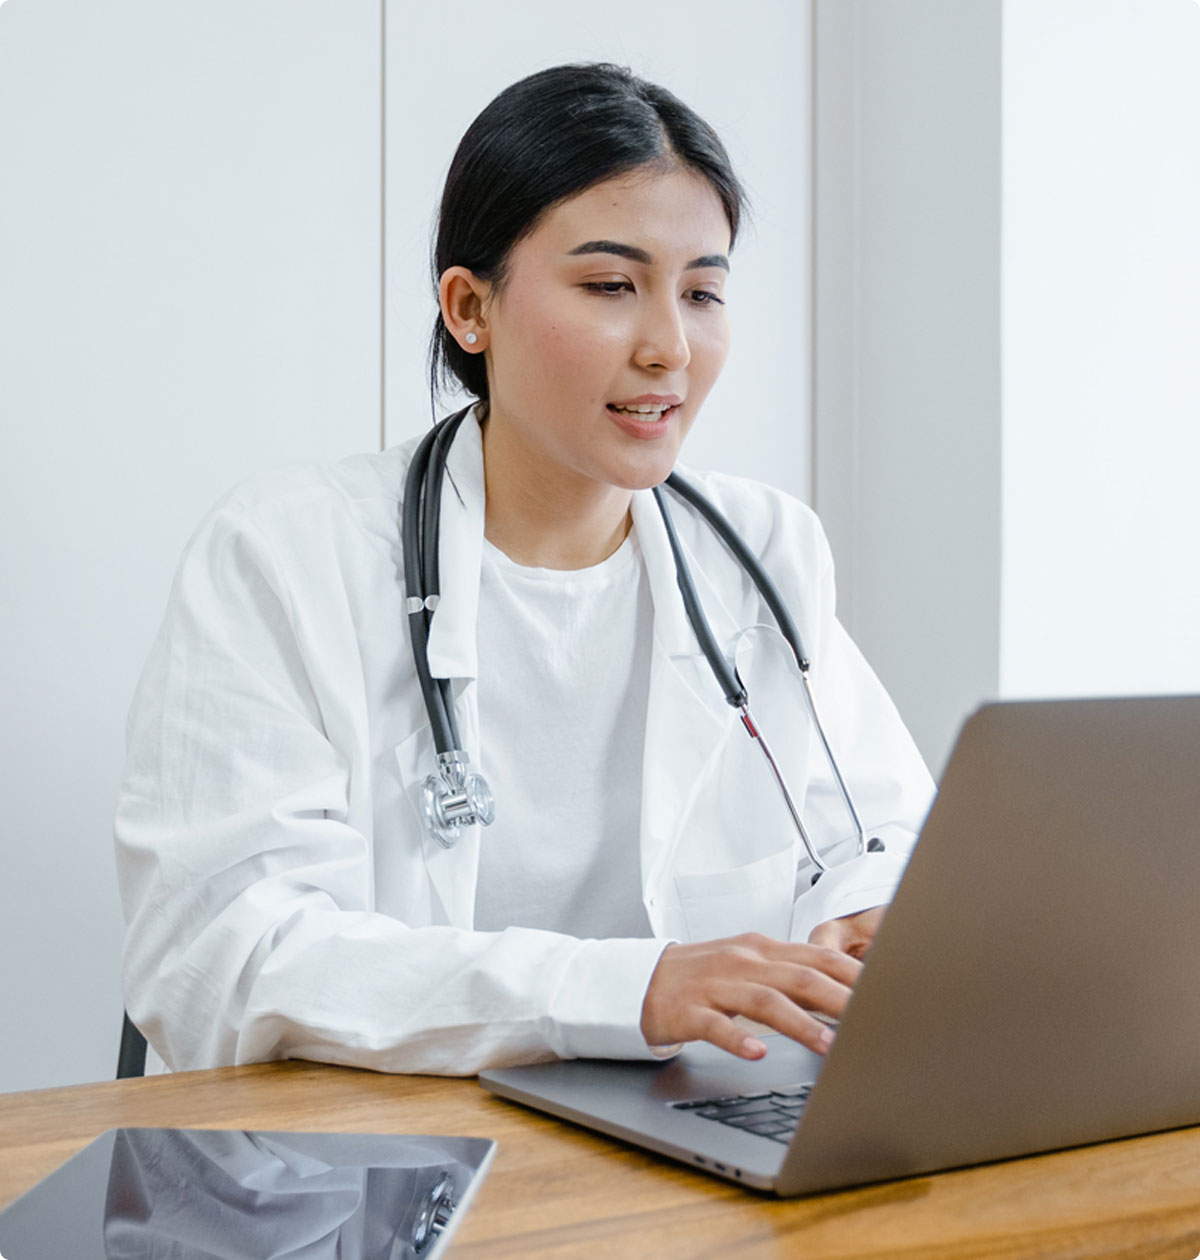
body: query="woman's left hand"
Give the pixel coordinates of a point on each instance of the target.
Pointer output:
(852, 934)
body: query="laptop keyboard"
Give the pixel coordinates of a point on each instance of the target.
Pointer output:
(773, 1114)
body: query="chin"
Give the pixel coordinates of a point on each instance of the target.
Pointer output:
(642, 474)
(642, 468)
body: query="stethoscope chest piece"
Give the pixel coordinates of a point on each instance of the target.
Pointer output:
(438, 1208)
(455, 798)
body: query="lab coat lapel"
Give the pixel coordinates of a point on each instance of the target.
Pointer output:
(687, 719)
(453, 654)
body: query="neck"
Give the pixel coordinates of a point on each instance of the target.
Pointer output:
(543, 518)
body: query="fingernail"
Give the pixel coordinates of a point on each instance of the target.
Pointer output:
(826, 1039)
(752, 1048)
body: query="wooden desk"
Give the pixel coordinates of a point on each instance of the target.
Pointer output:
(556, 1191)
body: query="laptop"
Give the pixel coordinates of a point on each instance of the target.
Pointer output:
(1035, 984)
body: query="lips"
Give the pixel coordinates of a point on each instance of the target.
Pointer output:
(644, 420)
(640, 413)
(649, 408)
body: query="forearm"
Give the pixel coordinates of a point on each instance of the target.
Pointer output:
(363, 989)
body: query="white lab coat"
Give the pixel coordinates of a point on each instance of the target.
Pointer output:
(283, 896)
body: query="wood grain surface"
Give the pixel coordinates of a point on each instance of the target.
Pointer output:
(558, 1191)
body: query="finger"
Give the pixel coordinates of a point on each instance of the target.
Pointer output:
(767, 1005)
(852, 933)
(846, 936)
(829, 959)
(866, 926)
(722, 1032)
(832, 934)
(801, 986)
(826, 960)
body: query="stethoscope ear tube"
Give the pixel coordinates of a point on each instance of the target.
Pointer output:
(770, 593)
(417, 605)
(731, 684)
(747, 559)
(431, 506)
(843, 790)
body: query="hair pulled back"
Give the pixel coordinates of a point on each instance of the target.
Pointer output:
(542, 140)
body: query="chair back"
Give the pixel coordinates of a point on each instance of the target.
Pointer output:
(131, 1060)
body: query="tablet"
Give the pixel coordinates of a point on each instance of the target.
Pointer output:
(204, 1193)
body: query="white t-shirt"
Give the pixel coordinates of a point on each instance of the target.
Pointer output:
(579, 640)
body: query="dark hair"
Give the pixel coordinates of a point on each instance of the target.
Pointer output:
(542, 140)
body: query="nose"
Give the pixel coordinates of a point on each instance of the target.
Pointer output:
(662, 338)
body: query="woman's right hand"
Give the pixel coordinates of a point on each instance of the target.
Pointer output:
(696, 991)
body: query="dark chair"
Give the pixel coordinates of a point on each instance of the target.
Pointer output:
(131, 1060)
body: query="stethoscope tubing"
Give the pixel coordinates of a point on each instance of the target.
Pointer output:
(735, 691)
(420, 519)
(422, 579)
(725, 531)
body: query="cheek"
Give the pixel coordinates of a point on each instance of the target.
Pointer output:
(561, 351)
(710, 349)
(565, 353)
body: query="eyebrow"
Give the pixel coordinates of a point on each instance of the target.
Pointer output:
(634, 254)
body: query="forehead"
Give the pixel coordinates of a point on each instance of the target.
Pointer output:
(672, 214)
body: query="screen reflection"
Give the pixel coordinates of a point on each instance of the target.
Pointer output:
(194, 1194)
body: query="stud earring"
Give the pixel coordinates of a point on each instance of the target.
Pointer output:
(471, 339)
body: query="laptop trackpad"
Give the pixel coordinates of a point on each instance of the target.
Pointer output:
(703, 1071)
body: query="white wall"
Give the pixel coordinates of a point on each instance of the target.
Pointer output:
(747, 73)
(1008, 308)
(1101, 577)
(907, 351)
(189, 291)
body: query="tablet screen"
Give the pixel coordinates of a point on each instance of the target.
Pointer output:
(199, 1194)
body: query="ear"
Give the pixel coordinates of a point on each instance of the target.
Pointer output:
(463, 297)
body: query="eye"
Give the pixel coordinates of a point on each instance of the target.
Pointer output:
(608, 288)
(704, 297)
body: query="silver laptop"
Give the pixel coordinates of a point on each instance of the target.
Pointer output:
(1035, 984)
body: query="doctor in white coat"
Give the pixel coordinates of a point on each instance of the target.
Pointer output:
(642, 884)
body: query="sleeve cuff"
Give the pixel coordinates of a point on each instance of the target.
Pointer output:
(596, 1011)
(863, 882)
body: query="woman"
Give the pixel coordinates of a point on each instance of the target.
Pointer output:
(638, 887)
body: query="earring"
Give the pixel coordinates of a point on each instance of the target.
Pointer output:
(471, 339)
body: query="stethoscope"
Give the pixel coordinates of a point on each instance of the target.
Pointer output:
(456, 796)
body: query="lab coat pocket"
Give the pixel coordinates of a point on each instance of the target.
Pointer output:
(752, 898)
